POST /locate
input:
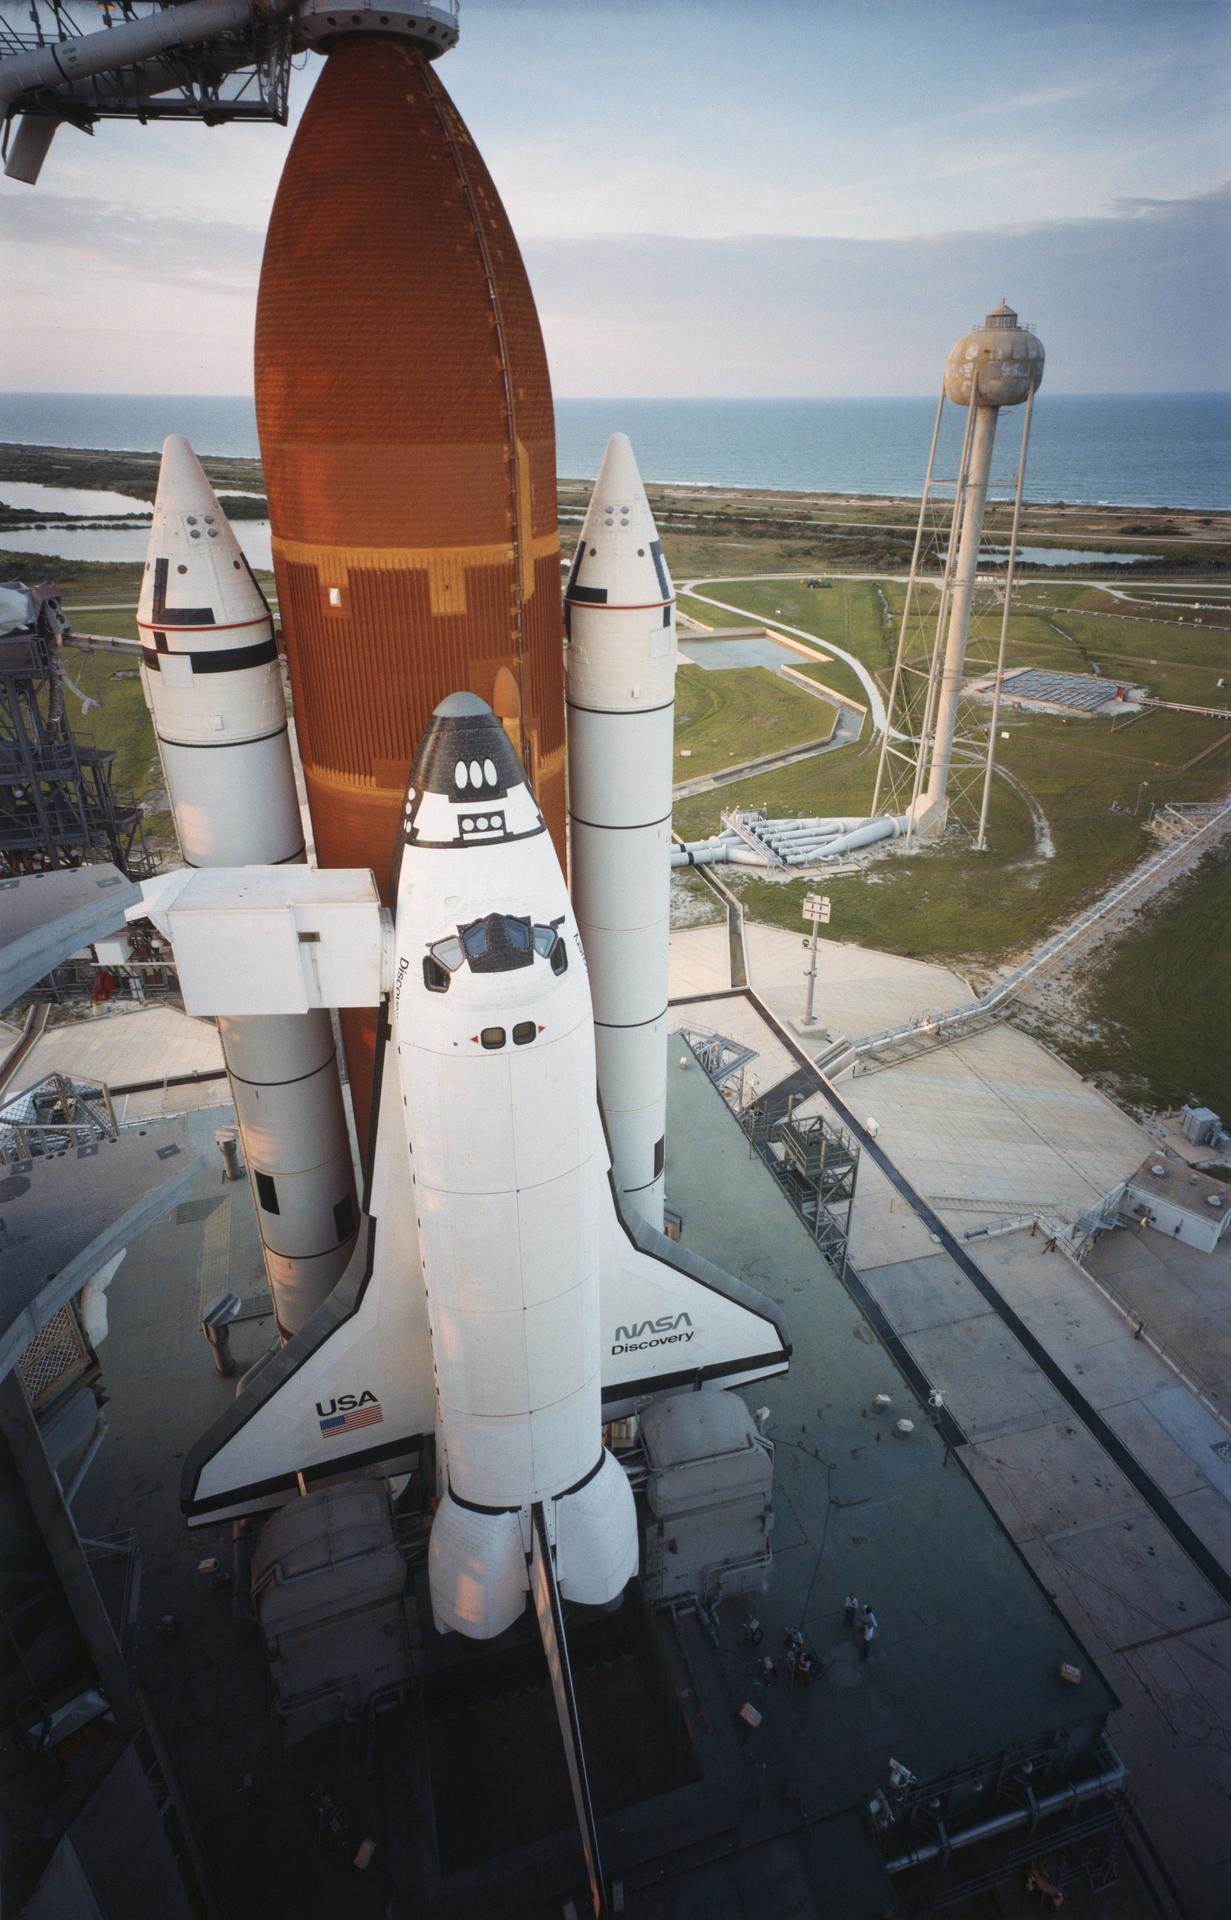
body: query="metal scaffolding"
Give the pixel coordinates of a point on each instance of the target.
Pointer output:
(58, 807)
(810, 1155)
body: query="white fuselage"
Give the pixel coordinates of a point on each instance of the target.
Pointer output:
(494, 1034)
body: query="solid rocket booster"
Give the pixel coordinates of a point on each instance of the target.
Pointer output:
(620, 669)
(408, 443)
(213, 685)
(492, 1024)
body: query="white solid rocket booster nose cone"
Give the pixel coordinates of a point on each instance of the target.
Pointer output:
(620, 667)
(195, 562)
(619, 563)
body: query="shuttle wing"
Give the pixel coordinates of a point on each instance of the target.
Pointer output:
(672, 1319)
(354, 1388)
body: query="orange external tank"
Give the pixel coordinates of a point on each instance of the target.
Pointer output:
(405, 419)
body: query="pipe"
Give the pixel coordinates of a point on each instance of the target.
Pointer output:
(892, 827)
(717, 854)
(924, 502)
(966, 573)
(1109, 1781)
(942, 614)
(1010, 571)
(60, 64)
(820, 823)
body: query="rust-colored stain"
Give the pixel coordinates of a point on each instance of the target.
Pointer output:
(408, 443)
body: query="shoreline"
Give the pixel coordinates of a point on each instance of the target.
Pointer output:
(135, 471)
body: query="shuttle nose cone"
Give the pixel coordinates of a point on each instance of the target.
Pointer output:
(465, 753)
(467, 784)
(195, 574)
(619, 563)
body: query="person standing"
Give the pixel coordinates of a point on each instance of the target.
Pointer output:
(850, 1610)
(867, 1633)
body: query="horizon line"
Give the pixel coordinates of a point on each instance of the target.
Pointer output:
(659, 399)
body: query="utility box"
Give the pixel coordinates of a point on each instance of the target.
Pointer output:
(1200, 1125)
(709, 1497)
(329, 1585)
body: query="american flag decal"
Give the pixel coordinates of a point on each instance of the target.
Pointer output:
(336, 1424)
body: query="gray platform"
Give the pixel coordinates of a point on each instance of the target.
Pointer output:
(45, 917)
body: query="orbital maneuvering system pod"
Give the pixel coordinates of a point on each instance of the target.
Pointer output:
(498, 1301)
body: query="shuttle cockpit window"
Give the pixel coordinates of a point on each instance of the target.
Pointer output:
(496, 944)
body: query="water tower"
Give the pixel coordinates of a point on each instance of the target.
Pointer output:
(999, 364)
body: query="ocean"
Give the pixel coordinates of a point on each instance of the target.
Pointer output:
(1162, 450)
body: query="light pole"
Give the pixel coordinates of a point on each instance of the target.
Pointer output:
(816, 909)
(1137, 804)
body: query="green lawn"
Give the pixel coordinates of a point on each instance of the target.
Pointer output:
(949, 903)
(849, 614)
(738, 713)
(1158, 1000)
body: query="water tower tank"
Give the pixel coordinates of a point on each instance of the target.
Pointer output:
(1007, 357)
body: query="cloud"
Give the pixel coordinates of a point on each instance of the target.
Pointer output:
(1133, 299)
(1123, 303)
(116, 238)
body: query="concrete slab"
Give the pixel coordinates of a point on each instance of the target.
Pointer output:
(1209, 1517)
(1198, 1433)
(1130, 1580)
(1166, 1463)
(995, 1126)
(717, 655)
(884, 1230)
(919, 1294)
(1057, 1479)
(699, 961)
(991, 1386)
(1094, 1345)
(1177, 1707)
(858, 990)
(1183, 1295)
(122, 1048)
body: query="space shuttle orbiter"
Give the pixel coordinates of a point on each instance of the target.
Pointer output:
(498, 1300)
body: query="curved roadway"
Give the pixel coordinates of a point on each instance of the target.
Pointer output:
(876, 703)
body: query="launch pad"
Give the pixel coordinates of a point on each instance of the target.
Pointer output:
(698, 1810)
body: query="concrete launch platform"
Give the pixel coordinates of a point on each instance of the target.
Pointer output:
(991, 1127)
(1109, 1473)
(145, 1046)
(965, 1668)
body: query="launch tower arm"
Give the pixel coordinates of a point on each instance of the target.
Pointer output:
(261, 940)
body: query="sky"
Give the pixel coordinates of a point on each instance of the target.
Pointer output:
(779, 197)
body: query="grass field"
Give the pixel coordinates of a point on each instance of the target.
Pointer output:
(1158, 1000)
(947, 903)
(739, 713)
